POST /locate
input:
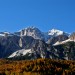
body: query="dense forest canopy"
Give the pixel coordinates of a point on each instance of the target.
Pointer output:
(38, 66)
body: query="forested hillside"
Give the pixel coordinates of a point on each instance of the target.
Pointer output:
(37, 67)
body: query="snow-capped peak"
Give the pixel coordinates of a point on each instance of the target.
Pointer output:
(4, 33)
(55, 32)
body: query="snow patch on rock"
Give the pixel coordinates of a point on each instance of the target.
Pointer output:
(20, 53)
(63, 42)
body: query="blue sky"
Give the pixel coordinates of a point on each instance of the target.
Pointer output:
(44, 14)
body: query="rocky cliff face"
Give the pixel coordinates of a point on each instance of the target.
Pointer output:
(42, 50)
(31, 43)
(72, 36)
(33, 32)
(58, 38)
(66, 51)
(10, 44)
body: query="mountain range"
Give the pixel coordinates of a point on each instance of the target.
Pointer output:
(31, 43)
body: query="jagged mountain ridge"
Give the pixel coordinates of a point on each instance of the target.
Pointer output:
(37, 34)
(40, 43)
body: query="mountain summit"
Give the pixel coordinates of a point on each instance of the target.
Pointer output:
(56, 32)
(33, 32)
